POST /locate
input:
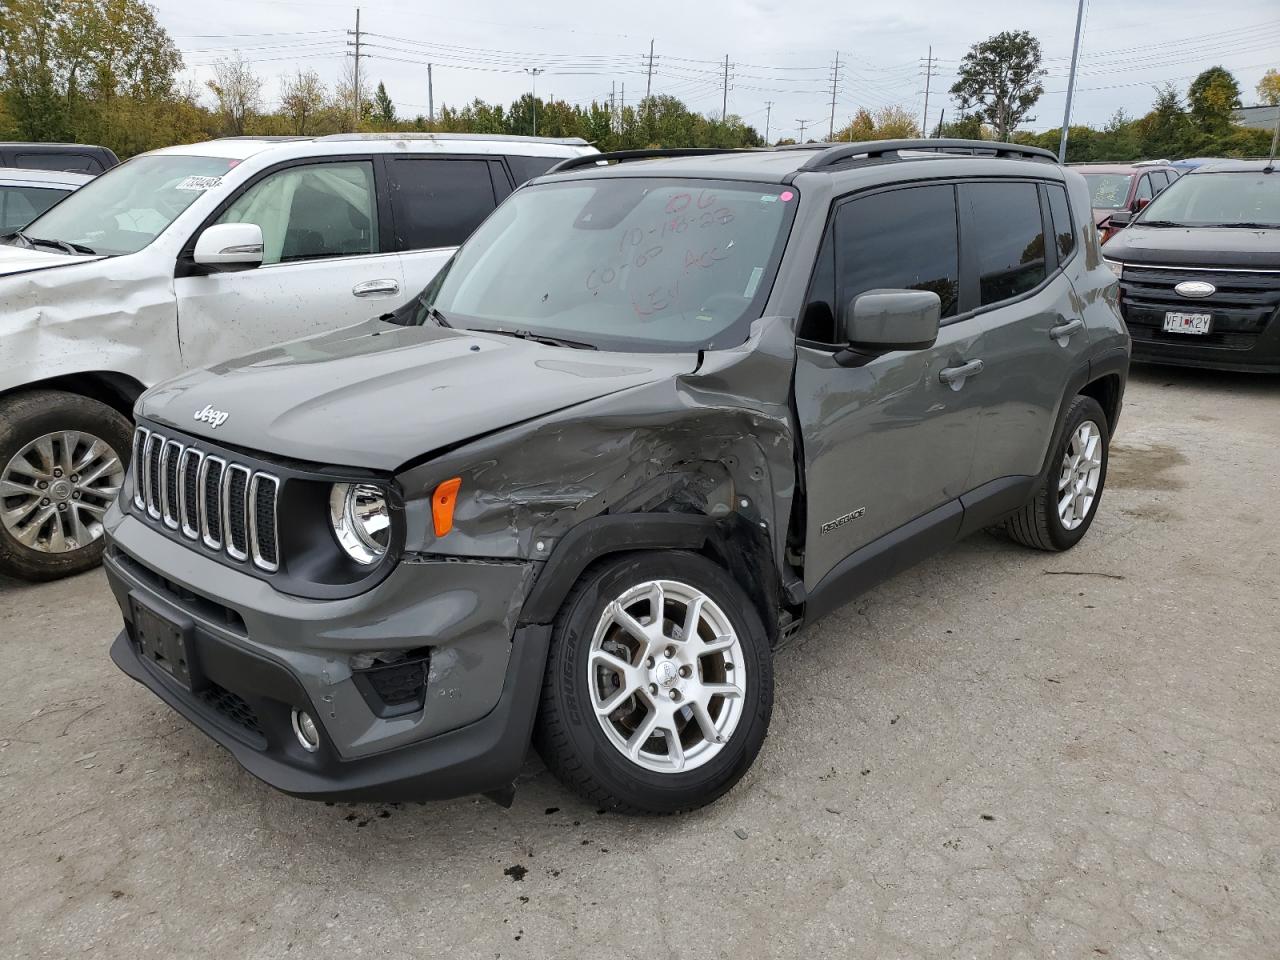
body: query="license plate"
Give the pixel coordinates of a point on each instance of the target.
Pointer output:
(1187, 322)
(163, 642)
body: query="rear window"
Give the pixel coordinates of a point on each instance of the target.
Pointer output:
(438, 203)
(1108, 191)
(1060, 211)
(77, 162)
(526, 168)
(1008, 241)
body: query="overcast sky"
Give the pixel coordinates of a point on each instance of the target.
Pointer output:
(781, 52)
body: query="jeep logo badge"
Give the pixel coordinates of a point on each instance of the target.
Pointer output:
(1195, 289)
(214, 418)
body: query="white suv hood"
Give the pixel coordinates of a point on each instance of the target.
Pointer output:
(20, 260)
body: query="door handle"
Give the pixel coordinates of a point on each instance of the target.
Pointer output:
(376, 288)
(954, 377)
(1064, 330)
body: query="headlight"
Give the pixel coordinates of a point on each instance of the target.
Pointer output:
(361, 521)
(1115, 266)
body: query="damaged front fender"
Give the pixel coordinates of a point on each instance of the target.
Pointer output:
(717, 443)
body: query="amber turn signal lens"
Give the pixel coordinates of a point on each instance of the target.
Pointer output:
(442, 502)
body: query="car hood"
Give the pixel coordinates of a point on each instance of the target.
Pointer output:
(1226, 247)
(377, 395)
(20, 260)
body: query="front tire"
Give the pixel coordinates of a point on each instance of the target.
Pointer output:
(62, 461)
(659, 684)
(1062, 511)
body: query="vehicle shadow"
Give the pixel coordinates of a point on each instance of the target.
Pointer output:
(1267, 384)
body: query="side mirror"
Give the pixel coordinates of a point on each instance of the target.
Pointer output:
(229, 246)
(880, 321)
(1141, 203)
(1121, 218)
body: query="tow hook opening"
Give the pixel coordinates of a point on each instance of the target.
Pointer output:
(393, 683)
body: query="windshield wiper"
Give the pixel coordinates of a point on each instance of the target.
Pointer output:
(1246, 225)
(540, 338)
(1159, 223)
(66, 246)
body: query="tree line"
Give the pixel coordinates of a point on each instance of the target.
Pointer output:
(106, 71)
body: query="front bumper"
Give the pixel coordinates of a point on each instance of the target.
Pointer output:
(259, 655)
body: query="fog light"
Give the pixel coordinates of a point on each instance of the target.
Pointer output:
(304, 728)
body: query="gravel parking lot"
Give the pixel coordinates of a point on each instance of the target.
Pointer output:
(999, 753)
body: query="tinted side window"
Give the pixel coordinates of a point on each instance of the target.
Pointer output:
(526, 168)
(1144, 189)
(1060, 212)
(20, 205)
(437, 203)
(899, 240)
(79, 162)
(1007, 236)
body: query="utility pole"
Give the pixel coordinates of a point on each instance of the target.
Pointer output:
(648, 80)
(1275, 138)
(835, 78)
(803, 124)
(929, 74)
(431, 102)
(768, 112)
(356, 74)
(1071, 86)
(533, 72)
(724, 103)
(613, 106)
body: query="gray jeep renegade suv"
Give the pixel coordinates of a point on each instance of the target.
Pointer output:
(660, 410)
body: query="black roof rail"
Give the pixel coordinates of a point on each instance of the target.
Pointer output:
(653, 153)
(877, 149)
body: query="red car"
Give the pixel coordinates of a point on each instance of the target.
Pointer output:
(1123, 186)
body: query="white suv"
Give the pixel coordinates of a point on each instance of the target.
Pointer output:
(190, 255)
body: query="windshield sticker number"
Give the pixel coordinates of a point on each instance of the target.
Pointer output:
(199, 184)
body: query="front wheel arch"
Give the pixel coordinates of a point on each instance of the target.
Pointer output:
(731, 543)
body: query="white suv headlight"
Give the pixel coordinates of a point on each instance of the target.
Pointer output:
(1115, 266)
(361, 521)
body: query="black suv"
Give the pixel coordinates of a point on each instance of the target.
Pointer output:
(654, 415)
(1200, 269)
(74, 157)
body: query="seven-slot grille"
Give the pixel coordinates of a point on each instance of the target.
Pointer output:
(225, 505)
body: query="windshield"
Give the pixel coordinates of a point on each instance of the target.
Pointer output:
(1110, 191)
(127, 207)
(618, 263)
(1218, 200)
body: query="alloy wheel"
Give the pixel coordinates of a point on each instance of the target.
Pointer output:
(55, 491)
(1080, 476)
(667, 676)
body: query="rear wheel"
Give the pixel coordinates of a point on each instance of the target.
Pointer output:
(1062, 511)
(659, 684)
(62, 462)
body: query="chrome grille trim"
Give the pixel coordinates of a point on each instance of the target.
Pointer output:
(189, 525)
(237, 522)
(227, 507)
(251, 507)
(140, 437)
(170, 450)
(154, 440)
(209, 535)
